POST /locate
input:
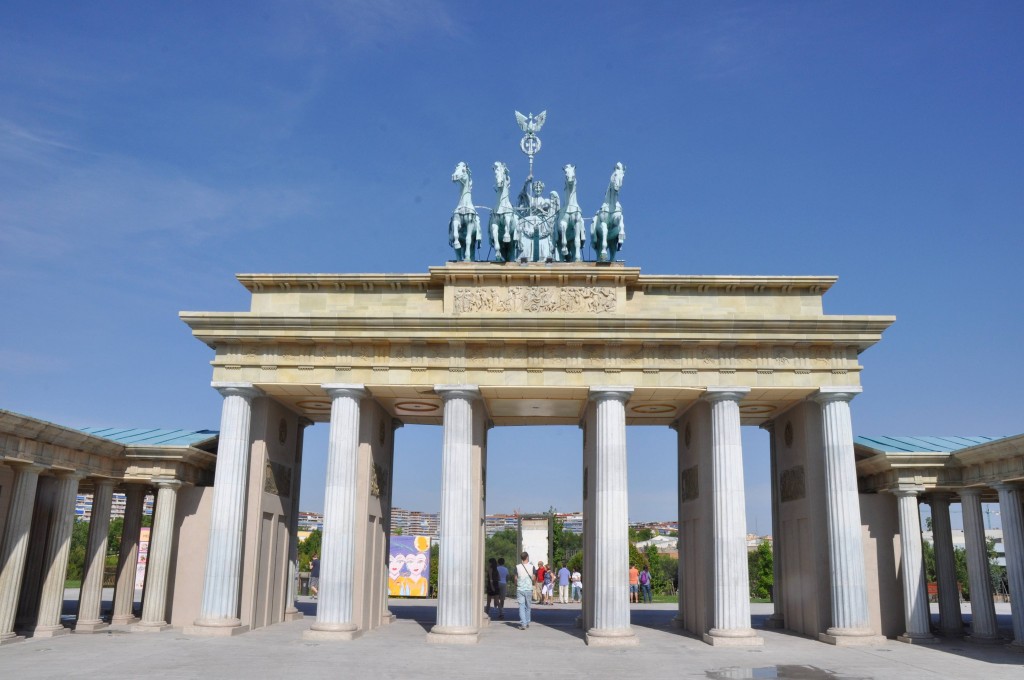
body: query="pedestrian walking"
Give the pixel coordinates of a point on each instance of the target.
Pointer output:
(524, 589)
(538, 586)
(634, 584)
(645, 585)
(491, 585)
(502, 586)
(577, 586)
(314, 576)
(563, 584)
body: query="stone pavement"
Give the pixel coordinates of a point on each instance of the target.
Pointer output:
(552, 648)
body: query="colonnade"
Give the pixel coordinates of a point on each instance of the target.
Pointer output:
(35, 548)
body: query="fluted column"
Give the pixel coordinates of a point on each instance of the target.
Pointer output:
(158, 567)
(848, 585)
(915, 596)
(457, 599)
(611, 624)
(777, 619)
(55, 561)
(15, 545)
(387, 616)
(730, 613)
(90, 596)
(128, 555)
(983, 610)
(291, 613)
(336, 598)
(222, 583)
(951, 623)
(1013, 541)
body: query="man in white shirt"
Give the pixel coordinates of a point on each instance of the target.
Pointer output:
(577, 586)
(524, 589)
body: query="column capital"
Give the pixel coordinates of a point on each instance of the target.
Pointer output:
(68, 474)
(969, 492)
(104, 481)
(939, 496)
(828, 394)
(25, 466)
(167, 483)
(335, 390)
(713, 394)
(605, 392)
(468, 392)
(304, 422)
(236, 389)
(768, 426)
(904, 490)
(396, 424)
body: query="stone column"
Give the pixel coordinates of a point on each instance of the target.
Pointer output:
(457, 598)
(848, 584)
(15, 545)
(55, 562)
(731, 591)
(1013, 541)
(611, 624)
(90, 597)
(950, 622)
(158, 567)
(387, 616)
(223, 581)
(291, 613)
(335, 605)
(777, 619)
(983, 610)
(128, 556)
(915, 596)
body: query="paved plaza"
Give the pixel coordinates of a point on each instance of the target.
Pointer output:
(553, 647)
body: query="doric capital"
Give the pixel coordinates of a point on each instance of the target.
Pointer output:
(1007, 487)
(69, 474)
(827, 394)
(467, 392)
(617, 392)
(167, 483)
(969, 492)
(353, 391)
(25, 466)
(104, 481)
(237, 389)
(939, 497)
(713, 394)
(904, 490)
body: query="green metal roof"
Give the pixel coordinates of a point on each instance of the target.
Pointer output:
(141, 436)
(923, 444)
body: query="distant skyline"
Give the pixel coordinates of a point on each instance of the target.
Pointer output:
(148, 153)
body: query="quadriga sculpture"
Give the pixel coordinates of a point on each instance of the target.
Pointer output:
(503, 222)
(464, 233)
(609, 232)
(571, 225)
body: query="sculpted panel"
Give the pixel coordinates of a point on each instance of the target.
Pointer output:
(568, 299)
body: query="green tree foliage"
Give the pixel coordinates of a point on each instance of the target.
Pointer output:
(503, 544)
(576, 562)
(759, 563)
(308, 548)
(564, 543)
(434, 559)
(76, 556)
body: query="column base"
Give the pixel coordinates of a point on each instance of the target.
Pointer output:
(852, 637)
(775, 622)
(678, 622)
(1016, 646)
(339, 632)
(214, 631)
(123, 620)
(453, 635)
(616, 637)
(578, 622)
(918, 639)
(985, 640)
(293, 615)
(49, 631)
(90, 626)
(387, 618)
(11, 638)
(733, 637)
(151, 627)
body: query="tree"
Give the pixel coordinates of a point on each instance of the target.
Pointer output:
(503, 544)
(76, 555)
(434, 559)
(308, 548)
(759, 563)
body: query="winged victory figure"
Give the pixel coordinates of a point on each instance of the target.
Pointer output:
(529, 124)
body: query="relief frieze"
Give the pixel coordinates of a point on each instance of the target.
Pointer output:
(536, 299)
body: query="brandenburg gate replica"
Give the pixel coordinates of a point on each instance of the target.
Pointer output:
(534, 335)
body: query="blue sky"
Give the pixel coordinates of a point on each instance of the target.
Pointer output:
(150, 151)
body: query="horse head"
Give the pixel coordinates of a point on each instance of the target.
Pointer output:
(462, 174)
(570, 174)
(617, 175)
(501, 176)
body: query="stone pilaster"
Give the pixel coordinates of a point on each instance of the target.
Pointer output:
(915, 596)
(15, 546)
(387, 616)
(336, 598)
(1012, 520)
(457, 619)
(731, 592)
(223, 581)
(158, 568)
(848, 584)
(128, 556)
(611, 624)
(951, 623)
(291, 613)
(777, 619)
(90, 597)
(983, 611)
(55, 562)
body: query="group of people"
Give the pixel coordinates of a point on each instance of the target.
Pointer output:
(533, 584)
(640, 585)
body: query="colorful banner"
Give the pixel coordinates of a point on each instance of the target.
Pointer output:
(140, 566)
(409, 566)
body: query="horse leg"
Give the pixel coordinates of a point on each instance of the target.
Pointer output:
(493, 224)
(622, 229)
(563, 228)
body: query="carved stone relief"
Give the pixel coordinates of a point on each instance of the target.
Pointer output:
(568, 299)
(791, 484)
(689, 484)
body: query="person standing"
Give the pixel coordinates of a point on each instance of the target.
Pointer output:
(634, 584)
(491, 585)
(538, 587)
(563, 584)
(577, 586)
(314, 576)
(502, 586)
(524, 589)
(645, 585)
